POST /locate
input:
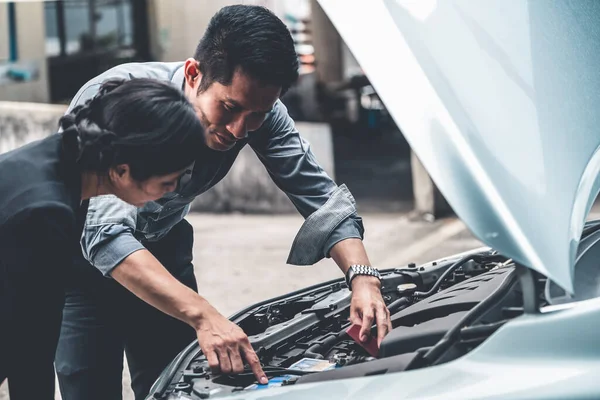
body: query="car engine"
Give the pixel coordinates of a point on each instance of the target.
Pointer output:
(440, 311)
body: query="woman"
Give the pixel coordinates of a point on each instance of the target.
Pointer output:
(134, 140)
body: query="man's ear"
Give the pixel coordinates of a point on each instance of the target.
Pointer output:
(191, 71)
(119, 173)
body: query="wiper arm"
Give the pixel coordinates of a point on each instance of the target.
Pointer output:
(590, 228)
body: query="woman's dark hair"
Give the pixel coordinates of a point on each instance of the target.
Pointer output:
(251, 39)
(148, 124)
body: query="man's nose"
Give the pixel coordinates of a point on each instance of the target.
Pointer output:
(238, 128)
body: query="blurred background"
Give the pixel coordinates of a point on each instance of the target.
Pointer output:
(49, 49)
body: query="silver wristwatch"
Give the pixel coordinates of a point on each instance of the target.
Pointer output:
(356, 270)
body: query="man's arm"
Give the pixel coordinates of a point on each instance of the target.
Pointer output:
(222, 342)
(332, 226)
(108, 243)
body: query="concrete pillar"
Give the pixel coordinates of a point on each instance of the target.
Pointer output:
(430, 204)
(328, 46)
(4, 53)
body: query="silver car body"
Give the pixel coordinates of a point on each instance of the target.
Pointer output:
(500, 101)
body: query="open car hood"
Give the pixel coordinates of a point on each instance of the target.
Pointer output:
(501, 103)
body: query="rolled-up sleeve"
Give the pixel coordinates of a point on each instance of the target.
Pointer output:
(108, 235)
(329, 210)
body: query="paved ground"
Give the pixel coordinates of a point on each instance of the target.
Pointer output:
(240, 259)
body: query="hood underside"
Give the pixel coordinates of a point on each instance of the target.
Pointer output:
(499, 100)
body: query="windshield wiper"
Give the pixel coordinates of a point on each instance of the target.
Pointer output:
(589, 228)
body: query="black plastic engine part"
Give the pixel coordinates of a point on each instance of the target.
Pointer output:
(399, 304)
(271, 315)
(446, 273)
(479, 331)
(426, 275)
(508, 282)
(377, 367)
(460, 297)
(317, 350)
(404, 339)
(285, 337)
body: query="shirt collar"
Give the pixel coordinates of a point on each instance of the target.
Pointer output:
(178, 77)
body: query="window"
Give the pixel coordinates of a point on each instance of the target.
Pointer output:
(113, 23)
(77, 26)
(52, 38)
(87, 26)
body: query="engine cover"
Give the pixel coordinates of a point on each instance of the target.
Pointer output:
(425, 323)
(405, 339)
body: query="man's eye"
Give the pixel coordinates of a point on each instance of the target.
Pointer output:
(228, 107)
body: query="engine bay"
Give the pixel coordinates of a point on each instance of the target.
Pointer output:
(439, 311)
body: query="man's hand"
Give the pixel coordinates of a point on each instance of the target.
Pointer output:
(225, 345)
(223, 342)
(367, 306)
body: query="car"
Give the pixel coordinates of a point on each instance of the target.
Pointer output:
(500, 102)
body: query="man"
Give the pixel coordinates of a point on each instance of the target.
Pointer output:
(243, 64)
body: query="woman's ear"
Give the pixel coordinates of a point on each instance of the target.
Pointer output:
(191, 71)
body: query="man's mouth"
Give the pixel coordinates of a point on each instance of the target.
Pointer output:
(224, 139)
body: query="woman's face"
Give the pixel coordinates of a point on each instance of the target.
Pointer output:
(138, 193)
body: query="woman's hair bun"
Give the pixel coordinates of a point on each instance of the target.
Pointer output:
(84, 134)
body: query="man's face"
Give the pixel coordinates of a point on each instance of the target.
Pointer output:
(229, 112)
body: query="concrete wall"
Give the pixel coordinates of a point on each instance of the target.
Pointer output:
(31, 42)
(21, 123)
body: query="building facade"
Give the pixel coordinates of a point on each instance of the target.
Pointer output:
(48, 49)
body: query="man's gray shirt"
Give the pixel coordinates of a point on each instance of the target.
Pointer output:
(115, 229)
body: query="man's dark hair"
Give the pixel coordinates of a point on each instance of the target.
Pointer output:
(251, 39)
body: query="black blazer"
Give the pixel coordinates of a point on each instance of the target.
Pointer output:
(40, 195)
(40, 192)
